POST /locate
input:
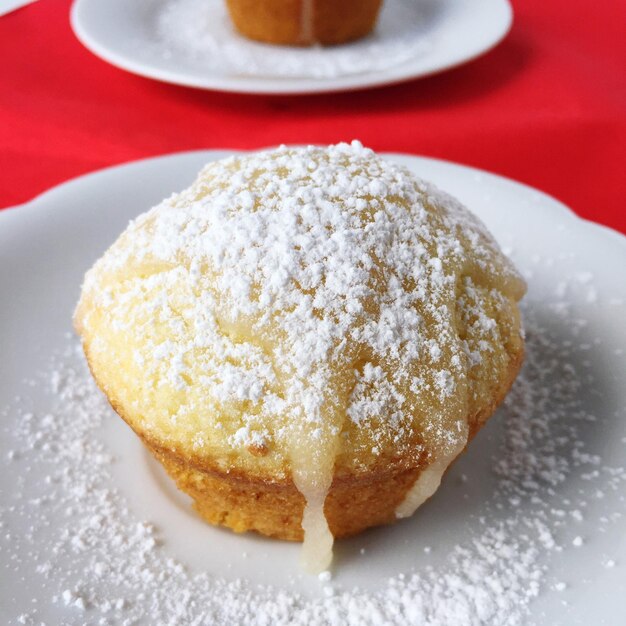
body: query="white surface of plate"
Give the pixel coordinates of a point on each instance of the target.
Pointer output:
(439, 34)
(577, 295)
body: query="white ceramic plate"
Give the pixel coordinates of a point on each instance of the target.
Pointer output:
(412, 39)
(575, 312)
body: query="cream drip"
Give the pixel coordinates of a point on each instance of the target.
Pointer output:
(428, 481)
(317, 548)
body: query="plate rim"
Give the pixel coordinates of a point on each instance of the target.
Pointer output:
(273, 86)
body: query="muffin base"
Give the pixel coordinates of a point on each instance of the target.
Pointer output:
(281, 21)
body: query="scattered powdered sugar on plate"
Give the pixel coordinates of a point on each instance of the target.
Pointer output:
(105, 565)
(201, 30)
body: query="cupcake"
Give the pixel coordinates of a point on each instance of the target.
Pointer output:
(305, 338)
(304, 22)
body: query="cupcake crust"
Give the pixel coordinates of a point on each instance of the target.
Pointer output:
(304, 22)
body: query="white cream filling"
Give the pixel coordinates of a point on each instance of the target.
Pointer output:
(317, 547)
(428, 481)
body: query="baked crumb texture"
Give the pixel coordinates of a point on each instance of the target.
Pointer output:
(303, 334)
(304, 22)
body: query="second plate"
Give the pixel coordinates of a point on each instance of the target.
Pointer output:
(192, 43)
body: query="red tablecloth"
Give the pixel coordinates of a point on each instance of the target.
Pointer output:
(546, 107)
